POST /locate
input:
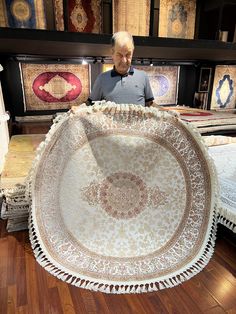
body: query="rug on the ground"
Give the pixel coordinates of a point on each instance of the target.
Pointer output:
(123, 200)
(225, 162)
(206, 121)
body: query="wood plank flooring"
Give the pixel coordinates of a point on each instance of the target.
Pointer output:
(25, 287)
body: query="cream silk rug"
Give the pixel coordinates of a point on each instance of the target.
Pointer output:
(225, 162)
(123, 200)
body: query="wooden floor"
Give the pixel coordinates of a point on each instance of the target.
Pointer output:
(25, 287)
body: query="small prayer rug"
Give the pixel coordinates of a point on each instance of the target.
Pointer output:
(22, 14)
(177, 18)
(132, 16)
(123, 200)
(85, 16)
(59, 16)
(224, 87)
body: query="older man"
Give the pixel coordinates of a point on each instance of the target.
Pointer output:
(123, 84)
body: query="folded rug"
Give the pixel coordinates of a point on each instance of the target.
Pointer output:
(224, 159)
(123, 200)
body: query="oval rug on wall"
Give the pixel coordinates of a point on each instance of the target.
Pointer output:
(123, 200)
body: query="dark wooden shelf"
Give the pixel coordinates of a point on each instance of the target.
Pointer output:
(57, 44)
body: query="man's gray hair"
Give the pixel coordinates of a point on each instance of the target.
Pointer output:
(122, 38)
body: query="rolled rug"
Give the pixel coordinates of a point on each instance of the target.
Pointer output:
(123, 199)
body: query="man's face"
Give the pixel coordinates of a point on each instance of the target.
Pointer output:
(122, 57)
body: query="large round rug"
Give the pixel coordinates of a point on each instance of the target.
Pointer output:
(122, 200)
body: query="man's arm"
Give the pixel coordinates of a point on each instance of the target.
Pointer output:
(148, 103)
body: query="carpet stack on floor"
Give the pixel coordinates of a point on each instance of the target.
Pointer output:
(15, 192)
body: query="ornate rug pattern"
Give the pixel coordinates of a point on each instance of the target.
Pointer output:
(206, 120)
(224, 87)
(123, 200)
(19, 158)
(54, 86)
(164, 83)
(132, 16)
(85, 16)
(177, 18)
(224, 159)
(59, 15)
(22, 14)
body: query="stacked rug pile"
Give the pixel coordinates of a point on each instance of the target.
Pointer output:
(207, 121)
(223, 151)
(15, 191)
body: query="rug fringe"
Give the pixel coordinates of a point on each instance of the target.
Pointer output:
(109, 286)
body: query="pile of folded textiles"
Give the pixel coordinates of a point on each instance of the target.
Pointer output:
(207, 121)
(222, 149)
(15, 185)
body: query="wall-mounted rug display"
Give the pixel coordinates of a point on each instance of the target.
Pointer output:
(224, 87)
(54, 86)
(164, 83)
(132, 16)
(123, 199)
(59, 16)
(22, 14)
(177, 18)
(84, 16)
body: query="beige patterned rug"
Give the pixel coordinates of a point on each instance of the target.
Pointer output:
(123, 200)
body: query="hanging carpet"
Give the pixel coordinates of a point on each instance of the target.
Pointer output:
(123, 200)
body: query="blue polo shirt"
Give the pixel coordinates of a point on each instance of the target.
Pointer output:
(131, 88)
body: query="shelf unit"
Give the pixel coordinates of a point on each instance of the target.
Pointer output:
(54, 44)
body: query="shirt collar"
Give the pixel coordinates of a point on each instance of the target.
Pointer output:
(114, 73)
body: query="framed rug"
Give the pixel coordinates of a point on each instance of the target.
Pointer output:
(164, 83)
(59, 15)
(22, 14)
(84, 16)
(177, 18)
(54, 86)
(132, 16)
(224, 87)
(123, 200)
